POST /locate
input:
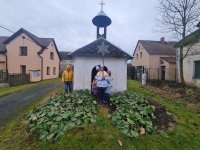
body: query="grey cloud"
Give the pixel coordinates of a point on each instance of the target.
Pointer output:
(70, 21)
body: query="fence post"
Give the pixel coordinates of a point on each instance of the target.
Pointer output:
(175, 76)
(158, 76)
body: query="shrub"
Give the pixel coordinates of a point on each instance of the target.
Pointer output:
(61, 113)
(133, 115)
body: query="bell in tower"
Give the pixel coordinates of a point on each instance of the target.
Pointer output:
(101, 21)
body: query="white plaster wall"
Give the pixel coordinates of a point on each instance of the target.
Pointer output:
(188, 64)
(188, 70)
(83, 70)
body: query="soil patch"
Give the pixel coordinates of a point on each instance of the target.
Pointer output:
(177, 91)
(163, 119)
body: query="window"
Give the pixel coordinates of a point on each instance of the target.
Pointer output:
(23, 69)
(140, 54)
(139, 47)
(197, 69)
(54, 70)
(48, 70)
(51, 55)
(23, 51)
(137, 56)
(35, 73)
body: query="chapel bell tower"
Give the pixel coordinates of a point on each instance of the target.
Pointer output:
(101, 21)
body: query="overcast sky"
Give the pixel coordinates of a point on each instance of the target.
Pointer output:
(69, 22)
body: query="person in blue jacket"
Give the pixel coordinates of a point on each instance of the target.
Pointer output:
(102, 83)
(109, 86)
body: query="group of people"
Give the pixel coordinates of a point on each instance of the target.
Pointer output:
(102, 84)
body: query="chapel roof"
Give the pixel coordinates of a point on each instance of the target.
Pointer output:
(91, 50)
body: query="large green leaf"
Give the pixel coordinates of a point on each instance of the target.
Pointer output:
(50, 136)
(61, 113)
(132, 112)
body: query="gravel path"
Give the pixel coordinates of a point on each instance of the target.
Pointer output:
(17, 101)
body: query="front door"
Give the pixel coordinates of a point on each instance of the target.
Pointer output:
(23, 69)
(163, 70)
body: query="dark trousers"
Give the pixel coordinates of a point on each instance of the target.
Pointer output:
(68, 86)
(107, 98)
(101, 92)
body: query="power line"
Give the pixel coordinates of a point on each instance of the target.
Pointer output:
(14, 32)
(6, 29)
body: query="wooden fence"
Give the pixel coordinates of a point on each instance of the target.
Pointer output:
(14, 79)
(18, 79)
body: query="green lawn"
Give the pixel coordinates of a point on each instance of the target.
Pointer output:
(7, 90)
(103, 135)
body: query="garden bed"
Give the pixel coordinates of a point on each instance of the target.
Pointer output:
(177, 91)
(62, 113)
(132, 114)
(163, 119)
(135, 115)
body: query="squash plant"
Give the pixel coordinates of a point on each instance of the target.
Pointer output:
(133, 115)
(61, 113)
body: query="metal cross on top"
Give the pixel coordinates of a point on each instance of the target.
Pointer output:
(102, 3)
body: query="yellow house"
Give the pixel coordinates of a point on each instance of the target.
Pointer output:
(24, 52)
(157, 58)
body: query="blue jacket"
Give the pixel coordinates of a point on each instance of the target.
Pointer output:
(100, 82)
(109, 87)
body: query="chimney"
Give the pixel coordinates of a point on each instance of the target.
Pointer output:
(162, 39)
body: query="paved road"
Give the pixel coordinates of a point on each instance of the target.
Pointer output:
(14, 102)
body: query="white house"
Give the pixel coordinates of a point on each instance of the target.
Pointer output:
(88, 57)
(191, 63)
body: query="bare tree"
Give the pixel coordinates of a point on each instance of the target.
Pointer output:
(179, 17)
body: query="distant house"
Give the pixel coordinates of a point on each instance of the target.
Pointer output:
(24, 52)
(157, 58)
(191, 63)
(66, 59)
